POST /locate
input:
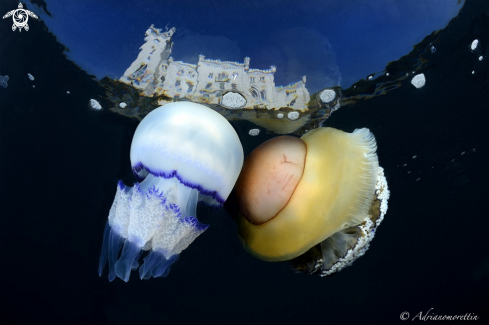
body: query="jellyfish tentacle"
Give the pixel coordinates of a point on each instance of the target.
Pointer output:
(118, 220)
(105, 245)
(163, 268)
(124, 265)
(150, 262)
(135, 263)
(115, 244)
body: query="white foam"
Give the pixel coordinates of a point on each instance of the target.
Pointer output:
(474, 44)
(327, 96)
(254, 132)
(419, 80)
(95, 105)
(293, 116)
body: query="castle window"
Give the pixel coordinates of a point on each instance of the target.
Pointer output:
(190, 87)
(288, 92)
(235, 75)
(263, 94)
(221, 85)
(222, 77)
(208, 86)
(139, 73)
(252, 80)
(177, 83)
(210, 75)
(262, 79)
(254, 93)
(234, 86)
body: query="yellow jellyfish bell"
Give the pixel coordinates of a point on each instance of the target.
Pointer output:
(323, 189)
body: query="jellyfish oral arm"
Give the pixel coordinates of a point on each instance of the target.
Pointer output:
(145, 217)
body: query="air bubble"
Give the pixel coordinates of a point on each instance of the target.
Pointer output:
(418, 80)
(95, 105)
(327, 96)
(474, 44)
(254, 132)
(3, 81)
(293, 116)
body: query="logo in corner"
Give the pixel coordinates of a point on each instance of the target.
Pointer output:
(20, 17)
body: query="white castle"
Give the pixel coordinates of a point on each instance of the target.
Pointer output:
(156, 73)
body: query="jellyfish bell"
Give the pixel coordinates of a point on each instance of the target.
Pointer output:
(181, 153)
(315, 200)
(269, 178)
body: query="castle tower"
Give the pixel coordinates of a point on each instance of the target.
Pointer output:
(144, 70)
(246, 63)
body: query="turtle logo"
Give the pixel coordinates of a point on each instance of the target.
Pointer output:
(20, 17)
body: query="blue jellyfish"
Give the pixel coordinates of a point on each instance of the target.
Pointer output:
(181, 154)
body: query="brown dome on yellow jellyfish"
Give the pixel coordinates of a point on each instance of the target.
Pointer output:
(324, 189)
(270, 177)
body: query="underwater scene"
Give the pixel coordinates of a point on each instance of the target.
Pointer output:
(244, 162)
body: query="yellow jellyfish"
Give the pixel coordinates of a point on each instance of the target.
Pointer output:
(316, 200)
